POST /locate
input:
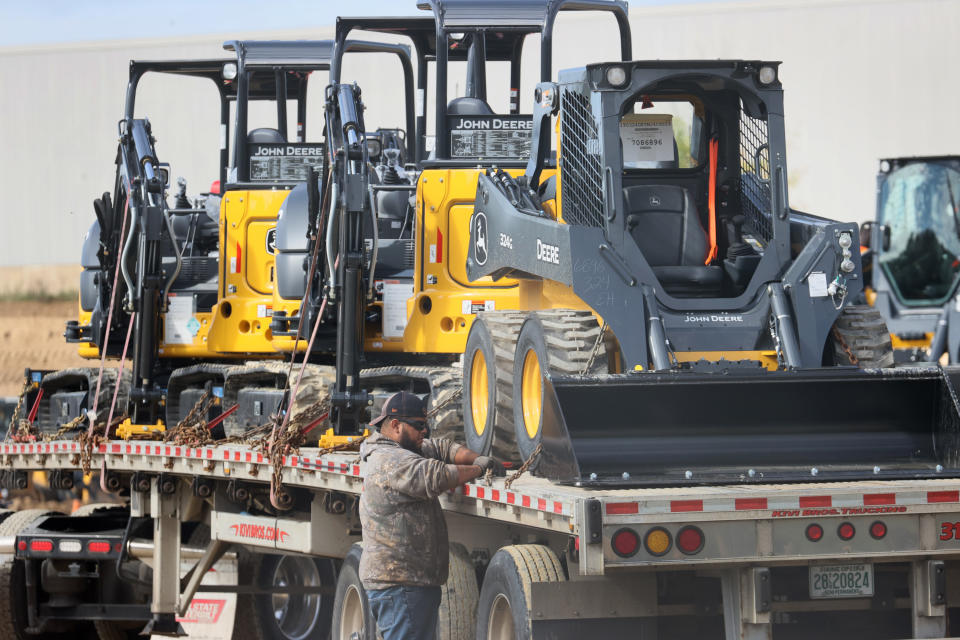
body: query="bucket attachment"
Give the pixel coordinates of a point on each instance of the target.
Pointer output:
(681, 428)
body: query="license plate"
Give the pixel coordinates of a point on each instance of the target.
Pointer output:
(841, 581)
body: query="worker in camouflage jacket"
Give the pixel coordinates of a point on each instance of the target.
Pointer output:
(405, 547)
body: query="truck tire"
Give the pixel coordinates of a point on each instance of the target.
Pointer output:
(488, 384)
(458, 604)
(863, 331)
(563, 341)
(268, 616)
(13, 597)
(504, 609)
(351, 611)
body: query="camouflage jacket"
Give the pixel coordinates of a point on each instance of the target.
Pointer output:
(404, 532)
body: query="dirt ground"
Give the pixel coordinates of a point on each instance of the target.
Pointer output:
(31, 335)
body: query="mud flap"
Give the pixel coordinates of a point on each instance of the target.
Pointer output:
(695, 428)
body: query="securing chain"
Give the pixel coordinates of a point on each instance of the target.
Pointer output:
(13, 427)
(89, 440)
(843, 344)
(525, 466)
(280, 442)
(595, 350)
(193, 431)
(70, 426)
(434, 411)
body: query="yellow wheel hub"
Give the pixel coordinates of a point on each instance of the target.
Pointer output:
(530, 393)
(479, 392)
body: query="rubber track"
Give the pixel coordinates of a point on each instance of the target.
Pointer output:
(89, 375)
(458, 605)
(865, 332)
(504, 327)
(444, 382)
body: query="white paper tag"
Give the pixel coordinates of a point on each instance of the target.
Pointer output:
(817, 281)
(647, 137)
(177, 326)
(395, 296)
(433, 253)
(421, 108)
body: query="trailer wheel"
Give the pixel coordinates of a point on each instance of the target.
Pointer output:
(861, 332)
(458, 604)
(13, 597)
(503, 612)
(351, 611)
(564, 341)
(488, 384)
(277, 616)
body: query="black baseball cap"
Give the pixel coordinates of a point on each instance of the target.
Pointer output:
(402, 404)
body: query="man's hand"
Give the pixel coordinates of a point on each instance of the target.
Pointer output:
(486, 463)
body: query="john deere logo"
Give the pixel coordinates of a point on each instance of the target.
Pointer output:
(480, 238)
(272, 241)
(654, 201)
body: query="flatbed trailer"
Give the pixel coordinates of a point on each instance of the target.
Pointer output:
(863, 558)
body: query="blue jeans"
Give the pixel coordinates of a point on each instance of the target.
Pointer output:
(406, 612)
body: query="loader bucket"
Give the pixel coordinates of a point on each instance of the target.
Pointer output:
(663, 429)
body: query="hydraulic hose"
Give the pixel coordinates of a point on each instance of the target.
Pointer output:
(176, 252)
(334, 219)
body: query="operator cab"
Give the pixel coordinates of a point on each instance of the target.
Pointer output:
(696, 183)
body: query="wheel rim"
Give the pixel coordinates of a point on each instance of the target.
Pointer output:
(351, 618)
(296, 614)
(531, 388)
(500, 623)
(479, 392)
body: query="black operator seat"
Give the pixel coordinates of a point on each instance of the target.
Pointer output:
(265, 135)
(665, 224)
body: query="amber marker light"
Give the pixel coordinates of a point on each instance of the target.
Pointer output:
(657, 541)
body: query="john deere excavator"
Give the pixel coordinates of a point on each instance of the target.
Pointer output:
(184, 289)
(913, 258)
(388, 280)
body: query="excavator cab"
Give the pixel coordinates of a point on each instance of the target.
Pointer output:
(914, 255)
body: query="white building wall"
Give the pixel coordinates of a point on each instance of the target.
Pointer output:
(863, 79)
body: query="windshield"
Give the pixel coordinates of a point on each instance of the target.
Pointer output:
(918, 204)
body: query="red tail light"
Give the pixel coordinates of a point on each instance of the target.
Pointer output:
(846, 531)
(814, 533)
(98, 547)
(690, 540)
(625, 543)
(42, 546)
(878, 530)
(22, 545)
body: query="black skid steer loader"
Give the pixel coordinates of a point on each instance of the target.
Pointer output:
(727, 348)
